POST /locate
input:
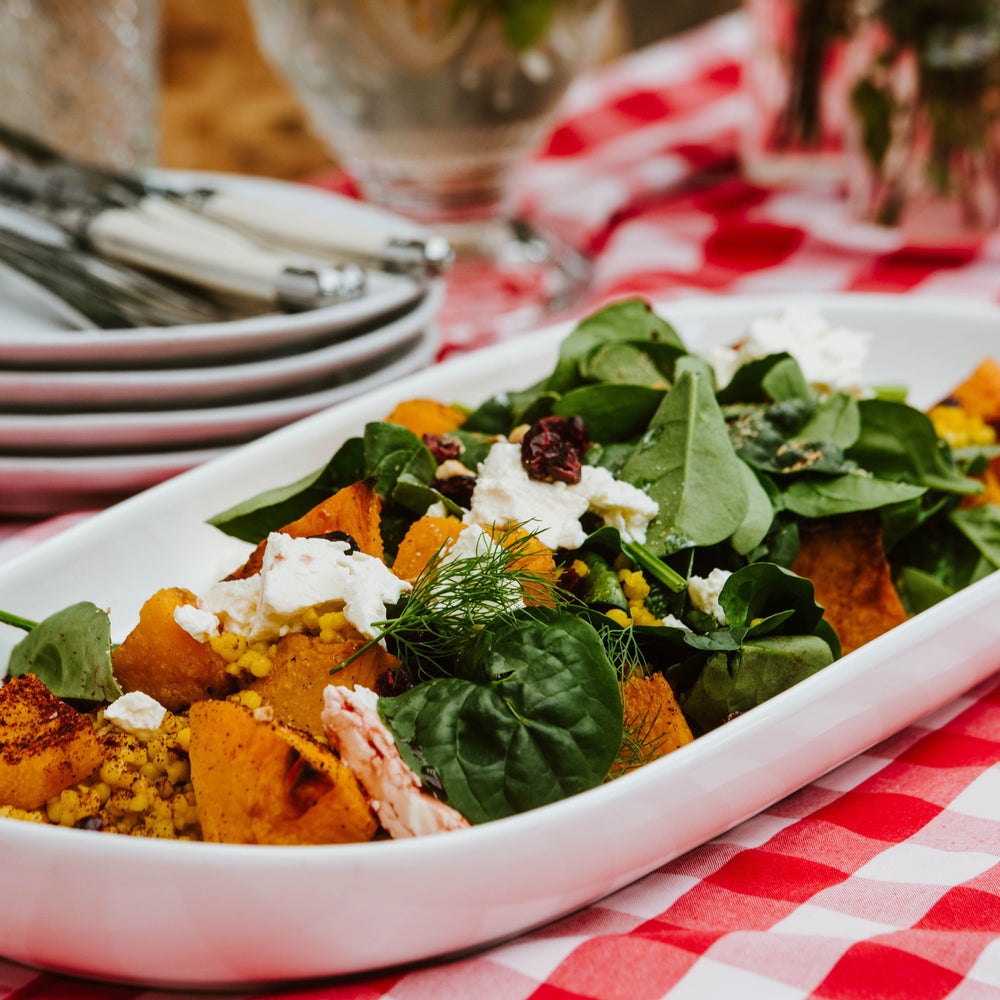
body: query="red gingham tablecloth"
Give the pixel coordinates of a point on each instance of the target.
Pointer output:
(881, 879)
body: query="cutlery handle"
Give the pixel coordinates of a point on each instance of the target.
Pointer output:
(169, 240)
(323, 237)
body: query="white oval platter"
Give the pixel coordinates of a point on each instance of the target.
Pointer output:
(214, 915)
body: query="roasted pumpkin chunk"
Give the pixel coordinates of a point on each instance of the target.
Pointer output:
(45, 745)
(422, 542)
(979, 394)
(844, 558)
(258, 782)
(653, 719)
(302, 666)
(354, 510)
(162, 660)
(426, 416)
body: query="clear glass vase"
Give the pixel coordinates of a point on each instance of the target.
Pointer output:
(430, 105)
(793, 77)
(925, 125)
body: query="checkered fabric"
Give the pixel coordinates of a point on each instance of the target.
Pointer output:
(879, 880)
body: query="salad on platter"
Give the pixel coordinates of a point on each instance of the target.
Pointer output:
(468, 614)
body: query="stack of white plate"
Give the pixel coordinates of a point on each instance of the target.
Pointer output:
(89, 416)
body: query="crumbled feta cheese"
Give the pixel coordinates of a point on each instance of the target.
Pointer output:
(136, 713)
(436, 510)
(832, 358)
(504, 492)
(704, 593)
(675, 622)
(199, 624)
(298, 574)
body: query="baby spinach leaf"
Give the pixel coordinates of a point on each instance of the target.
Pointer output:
(749, 384)
(760, 591)
(785, 381)
(630, 321)
(492, 416)
(686, 463)
(392, 452)
(836, 419)
(823, 496)
(732, 683)
(898, 442)
(919, 590)
(612, 411)
(532, 715)
(255, 518)
(70, 653)
(759, 516)
(981, 525)
(623, 363)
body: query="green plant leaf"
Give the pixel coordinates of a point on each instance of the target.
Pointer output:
(759, 516)
(70, 653)
(823, 496)
(613, 412)
(732, 683)
(532, 715)
(898, 442)
(255, 518)
(630, 321)
(686, 463)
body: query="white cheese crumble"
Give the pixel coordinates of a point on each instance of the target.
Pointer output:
(296, 574)
(675, 622)
(832, 358)
(505, 492)
(704, 593)
(136, 713)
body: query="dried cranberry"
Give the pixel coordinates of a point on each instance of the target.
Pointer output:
(443, 446)
(553, 449)
(342, 536)
(458, 489)
(393, 681)
(570, 580)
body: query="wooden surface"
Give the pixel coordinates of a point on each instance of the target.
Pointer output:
(224, 108)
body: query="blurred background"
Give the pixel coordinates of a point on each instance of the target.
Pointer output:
(224, 108)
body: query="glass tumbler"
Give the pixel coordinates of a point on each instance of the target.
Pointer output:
(83, 77)
(430, 105)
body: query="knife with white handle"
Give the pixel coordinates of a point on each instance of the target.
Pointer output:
(163, 236)
(37, 173)
(166, 238)
(320, 237)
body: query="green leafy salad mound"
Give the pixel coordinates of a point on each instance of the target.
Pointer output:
(502, 706)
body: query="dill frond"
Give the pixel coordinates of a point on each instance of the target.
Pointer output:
(454, 597)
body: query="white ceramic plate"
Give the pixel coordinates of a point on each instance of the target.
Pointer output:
(210, 385)
(32, 333)
(206, 914)
(32, 433)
